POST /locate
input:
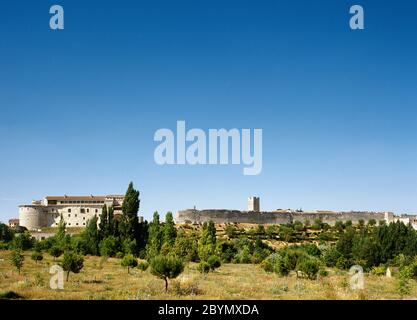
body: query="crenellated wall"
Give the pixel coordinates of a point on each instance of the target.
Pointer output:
(235, 216)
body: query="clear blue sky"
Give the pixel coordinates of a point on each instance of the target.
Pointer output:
(338, 108)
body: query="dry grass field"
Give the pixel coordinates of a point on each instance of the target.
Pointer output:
(104, 278)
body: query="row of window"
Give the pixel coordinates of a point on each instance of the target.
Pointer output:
(69, 224)
(79, 201)
(83, 211)
(69, 216)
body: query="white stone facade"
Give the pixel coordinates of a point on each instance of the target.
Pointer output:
(76, 211)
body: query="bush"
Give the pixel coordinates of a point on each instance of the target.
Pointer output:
(214, 262)
(331, 256)
(309, 266)
(379, 271)
(204, 267)
(323, 273)
(270, 264)
(129, 261)
(230, 231)
(55, 251)
(109, 246)
(120, 255)
(166, 267)
(342, 263)
(37, 256)
(143, 266)
(23, 241)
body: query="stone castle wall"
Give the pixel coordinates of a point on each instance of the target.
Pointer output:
(235, 216)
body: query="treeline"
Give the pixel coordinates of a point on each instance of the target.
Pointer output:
(343, 245)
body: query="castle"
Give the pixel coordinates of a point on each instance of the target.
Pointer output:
(283, 216)
(75, 210)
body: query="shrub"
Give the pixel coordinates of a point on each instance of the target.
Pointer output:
(166, 267)
(378, 271)
(204, 267)
(309, 266)
(143, 266)
(120, 255)
(342, 263)
(129, 261)
(23, 241)
(331, 256)
(403, 286)
(37, 256)
(55, 251)
(230, 231)
(323, 273)
(214, 262)
(109, 246)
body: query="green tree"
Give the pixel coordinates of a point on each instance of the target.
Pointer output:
(17, 259)
(6, 233)
(214, 262)
(130, 208)
(155, 239)
(60, 234)
(207, 242)
(111, 222)
(260, 230)
(230, 231)
(166, 267)
(104, 223)
(372, 222)
(109, 246)
(129, 261)
(317, 225)
(285, 233)
(72, 262)
(169, 231)
(55, 251)
(91, 236)
(186, 247)
(204, 267)
(23, 241)
(37, 256)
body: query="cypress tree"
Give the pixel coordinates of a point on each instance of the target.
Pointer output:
(130, 210)
(110, 221)
(103, 225)
(170, 233)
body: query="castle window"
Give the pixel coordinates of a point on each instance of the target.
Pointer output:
(69, 210)
(76, 224)
(88, 210)
(84, 224)
(75, 215)
(82, 210)
(69, 215)
(96, 210)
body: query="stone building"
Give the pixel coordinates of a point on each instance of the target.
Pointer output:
(75, 210)
(253, 204)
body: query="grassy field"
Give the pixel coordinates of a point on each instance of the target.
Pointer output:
(104, 278)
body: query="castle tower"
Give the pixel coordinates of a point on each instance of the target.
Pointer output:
(253, 204)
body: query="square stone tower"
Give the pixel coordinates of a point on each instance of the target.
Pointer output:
(253, 204)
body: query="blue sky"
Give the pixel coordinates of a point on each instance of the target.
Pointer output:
(338, 108)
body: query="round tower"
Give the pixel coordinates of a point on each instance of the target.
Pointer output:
(30, 217)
